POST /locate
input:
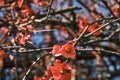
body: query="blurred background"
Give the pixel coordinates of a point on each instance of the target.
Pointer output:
(67, 21)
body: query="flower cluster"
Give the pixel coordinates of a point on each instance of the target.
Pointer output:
(84, 22)
(67, 50)
(60, 70)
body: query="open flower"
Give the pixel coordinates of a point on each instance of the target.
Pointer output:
(56, 50)
(60, 70)
(68, 51)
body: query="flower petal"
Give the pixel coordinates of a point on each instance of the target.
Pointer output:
(56, 49)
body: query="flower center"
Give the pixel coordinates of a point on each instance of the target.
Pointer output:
(62, 71)
(68, 50)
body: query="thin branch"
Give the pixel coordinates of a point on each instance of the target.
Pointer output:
(83, 5)
(55, 22)
(43, 20)
(111, 52)
(109, 22)
(103, 50)
(30, 68)
(9, 47)
(104, 39)
(80, 36)
(33, 50)
(86, 28)
(112, 34)
(105, 3)
(3, 36)
(49, 7)
(33, 64)
(62, 11)
(43, 30)
(48, 12)
(71, 32)
(86, 7)
(66, 17)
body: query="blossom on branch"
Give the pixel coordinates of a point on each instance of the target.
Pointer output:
(84, 22)
(93, 27)
(67, 50)
(56, 50)
(60, 70)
